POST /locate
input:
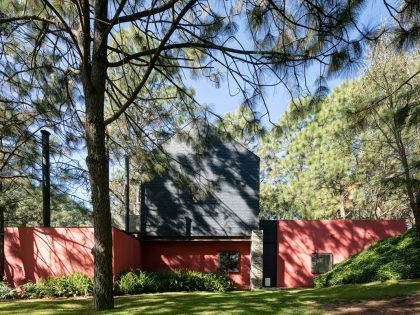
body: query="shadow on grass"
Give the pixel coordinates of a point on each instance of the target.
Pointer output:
(305, 301)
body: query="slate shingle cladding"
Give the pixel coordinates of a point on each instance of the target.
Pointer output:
(232, 207)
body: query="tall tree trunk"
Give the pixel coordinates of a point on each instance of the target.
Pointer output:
(94, 76)
(1, 234)
(2, 209)
(411, 190)
(97, 161)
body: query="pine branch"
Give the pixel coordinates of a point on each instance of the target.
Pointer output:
(153, 60)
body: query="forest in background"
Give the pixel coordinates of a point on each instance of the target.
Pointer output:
(353, 155)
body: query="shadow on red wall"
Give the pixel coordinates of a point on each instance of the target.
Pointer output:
(297, 240)
(34, 253)
(196, 255)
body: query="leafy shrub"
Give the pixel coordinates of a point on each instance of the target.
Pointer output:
(396, 258)
(170, 281)
(30, 290)
(75, 284)
(7, 292)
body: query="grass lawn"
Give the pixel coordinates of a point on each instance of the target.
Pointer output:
(304, 301)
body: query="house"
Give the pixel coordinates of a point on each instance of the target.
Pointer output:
(202, 214)
(206, 223)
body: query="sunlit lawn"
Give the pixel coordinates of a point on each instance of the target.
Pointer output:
(305, 301)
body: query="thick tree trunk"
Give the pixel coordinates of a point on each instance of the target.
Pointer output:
(1, 235)
(94, 78)
(97, 162)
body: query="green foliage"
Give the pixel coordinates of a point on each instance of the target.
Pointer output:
(243, 125)
(7, 292)
(24, 207)
(75, 284)
(394, 258)
(351, 155)
(20, 158)
(308, 167)
(135, 282)
(30, 290)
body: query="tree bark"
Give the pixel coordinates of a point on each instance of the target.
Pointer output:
(1, 235)
(411, 190)
(94, 78)
(2, 210)
(343, 206)
(97, 161)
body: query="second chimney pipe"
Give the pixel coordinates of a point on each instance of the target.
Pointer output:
(46, 203)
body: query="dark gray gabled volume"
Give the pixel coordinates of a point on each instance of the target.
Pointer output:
(225, 171)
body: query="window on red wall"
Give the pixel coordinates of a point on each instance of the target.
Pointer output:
(321, 262)
(228, 261)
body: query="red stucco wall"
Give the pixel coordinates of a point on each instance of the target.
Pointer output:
(126, 252)
(297, 240)
(197, 256)
(33, 253)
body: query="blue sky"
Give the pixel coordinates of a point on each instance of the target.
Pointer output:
(277, 98)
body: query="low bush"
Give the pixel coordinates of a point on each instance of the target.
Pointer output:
(393, 258)
(75, 284)
(6, 291)
(30, 290)
(138, 281)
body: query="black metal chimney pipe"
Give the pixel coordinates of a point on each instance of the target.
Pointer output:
(46, 204)
(127, 194)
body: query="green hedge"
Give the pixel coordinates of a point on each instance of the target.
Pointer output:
(75, 284)
(396, 257)
(138, 281)
(132, 282)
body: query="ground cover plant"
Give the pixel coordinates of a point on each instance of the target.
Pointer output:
(395, 258)
(302, 301)
(138, 281)
(75, 284)
(6, 291)
(132, 282)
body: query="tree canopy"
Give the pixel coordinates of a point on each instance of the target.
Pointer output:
(353, 156)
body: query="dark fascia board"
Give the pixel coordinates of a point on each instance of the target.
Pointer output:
(196, 238)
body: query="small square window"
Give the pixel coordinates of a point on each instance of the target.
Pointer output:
(321, 262)
(229, 261)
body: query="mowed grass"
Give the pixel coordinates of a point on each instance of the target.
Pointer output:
(302, 301)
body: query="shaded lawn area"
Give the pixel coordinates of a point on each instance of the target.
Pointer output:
(304, 301)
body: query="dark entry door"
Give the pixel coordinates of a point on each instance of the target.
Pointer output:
(269, 252)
